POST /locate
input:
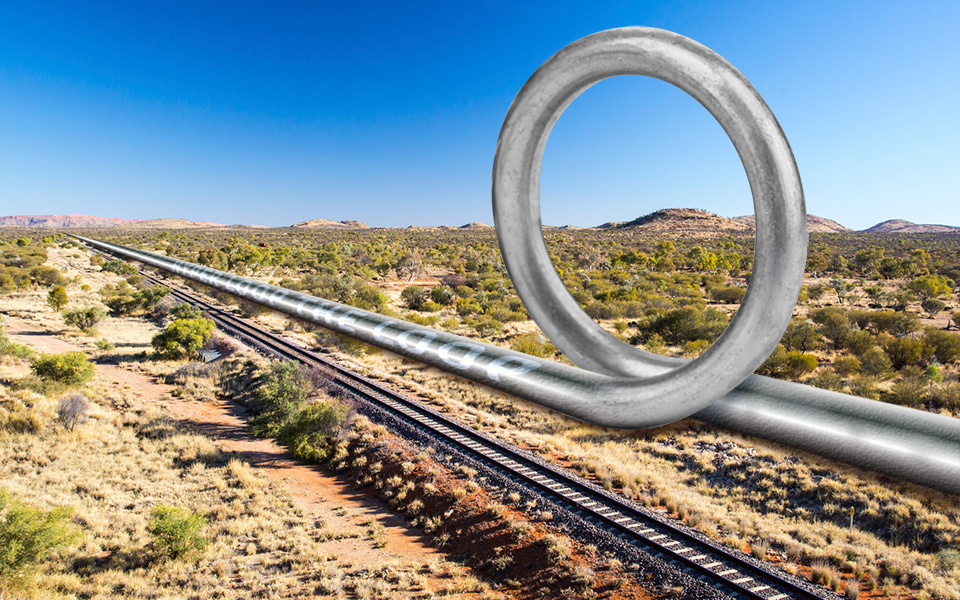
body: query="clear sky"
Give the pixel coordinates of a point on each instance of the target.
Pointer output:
(276, 112)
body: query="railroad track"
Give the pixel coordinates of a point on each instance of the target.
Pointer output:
(718, 567)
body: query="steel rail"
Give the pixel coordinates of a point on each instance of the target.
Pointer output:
(581, 496)
(905, 443)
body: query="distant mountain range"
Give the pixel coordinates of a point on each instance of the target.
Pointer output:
(681, 221)
(89, 222)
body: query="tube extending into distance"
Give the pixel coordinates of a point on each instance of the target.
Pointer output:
(905, 443)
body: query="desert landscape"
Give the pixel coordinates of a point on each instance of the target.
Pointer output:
(275, 485)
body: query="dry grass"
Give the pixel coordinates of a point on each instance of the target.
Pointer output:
(129, 458)
(783, 502)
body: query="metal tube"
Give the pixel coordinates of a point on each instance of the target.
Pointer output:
(905, 443)
(781, 233)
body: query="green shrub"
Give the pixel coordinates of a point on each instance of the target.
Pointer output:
(534, 344)
(847, 365)
(727, 295)
(906, 351)
(57, 298)
(119, 267)
(46, 276)
(27, 536)
(875, 362)
(413, 297)
(84, 319)
(282, 390)
(185, 310)
(946, 345)
(13, 349)
(71, 368)
(865, 387)
(442, 294)
(310, 431)
(800, 363)
(176, 531)
(182, 338)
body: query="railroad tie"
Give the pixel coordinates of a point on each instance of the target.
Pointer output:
(742, 580)
(760, 588)
(727, 572)
(779, 597)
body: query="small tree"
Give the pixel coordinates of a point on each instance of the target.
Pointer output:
(72, 410)
(934, 377)
(57, 298)
(84, 319)
(176, 531)
(183, 337)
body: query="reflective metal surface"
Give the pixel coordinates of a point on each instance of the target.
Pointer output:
(660, 389)
(901, 442)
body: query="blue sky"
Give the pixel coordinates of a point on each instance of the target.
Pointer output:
(388, 113)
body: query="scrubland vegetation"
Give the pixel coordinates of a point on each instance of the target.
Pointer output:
(877, 317)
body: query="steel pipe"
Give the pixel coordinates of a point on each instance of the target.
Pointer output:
(905, 443)
(662, 389)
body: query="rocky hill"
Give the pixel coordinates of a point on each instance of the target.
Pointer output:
(61, 221)
(476, 225)
(328, 224)
(815, 224)
(683, 221)
(899, 226)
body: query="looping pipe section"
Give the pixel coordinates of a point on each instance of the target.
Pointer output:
(659, 389)
(905, 443)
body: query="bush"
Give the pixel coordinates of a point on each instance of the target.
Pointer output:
(57, 298)
(442, 294)
(282, 411)
(122, 299)
(875, 362)
(946, 345)
(46, 276)
(847, 365)
(727, 295)
(8, 348)
(865, 387)
(84, 319)
(282, 390)
(534, 344)
(413, 297)
(28, 535)
(185, 310)
(907, 351)
(175, 531)
(72, 410)
(119, 267)
(800, 363)
(71, 368)
(310, 431)
(183, 338)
